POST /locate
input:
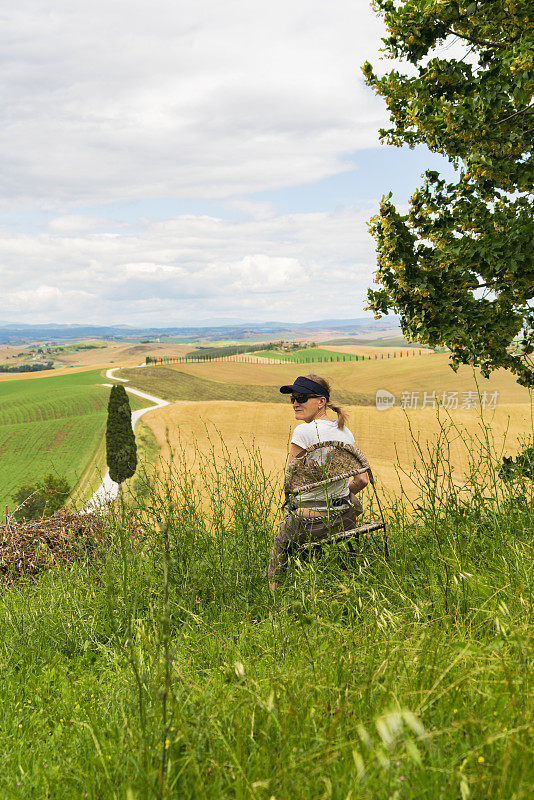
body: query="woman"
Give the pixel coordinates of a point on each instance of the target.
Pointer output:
(310, 398)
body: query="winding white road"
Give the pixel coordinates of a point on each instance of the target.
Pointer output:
(108, 489)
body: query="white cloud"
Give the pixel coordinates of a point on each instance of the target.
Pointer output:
(118, 103)
(298, 266)
(252, 208)
(77, 223)
(152, 271)
(112, 101)
(267, 275)
(44, 299)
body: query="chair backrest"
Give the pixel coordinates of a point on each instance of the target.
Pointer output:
(324, 463)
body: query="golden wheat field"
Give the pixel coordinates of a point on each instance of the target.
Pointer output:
(426, 373)
(384, 436)
(112, 355)
(387, 437)
(47, 373)
(124, 353)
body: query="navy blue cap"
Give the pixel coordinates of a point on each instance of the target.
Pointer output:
(304, 385)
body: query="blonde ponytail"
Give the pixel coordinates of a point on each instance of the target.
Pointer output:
(341, 413)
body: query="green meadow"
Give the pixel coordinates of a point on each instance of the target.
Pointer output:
(51, 424)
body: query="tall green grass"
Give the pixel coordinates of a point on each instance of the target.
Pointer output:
(169, 670)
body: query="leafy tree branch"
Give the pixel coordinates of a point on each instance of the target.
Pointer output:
(458, 267)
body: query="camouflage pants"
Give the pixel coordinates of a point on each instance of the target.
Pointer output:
(296, 530)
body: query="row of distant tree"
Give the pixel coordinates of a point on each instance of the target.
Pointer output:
(27, 367)
(209, 353)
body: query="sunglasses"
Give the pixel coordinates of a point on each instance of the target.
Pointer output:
(301, 398)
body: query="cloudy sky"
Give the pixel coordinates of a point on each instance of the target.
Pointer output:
(167, 162)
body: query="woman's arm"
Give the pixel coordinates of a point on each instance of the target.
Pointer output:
(358, 482)
(294, 451)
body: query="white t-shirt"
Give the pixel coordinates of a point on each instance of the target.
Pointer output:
(323, 430)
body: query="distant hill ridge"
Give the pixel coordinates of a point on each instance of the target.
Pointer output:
(15, 332)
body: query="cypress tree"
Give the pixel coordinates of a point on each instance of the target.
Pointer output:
(121, 449)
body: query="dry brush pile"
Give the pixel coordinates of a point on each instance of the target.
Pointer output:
(31, 547)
